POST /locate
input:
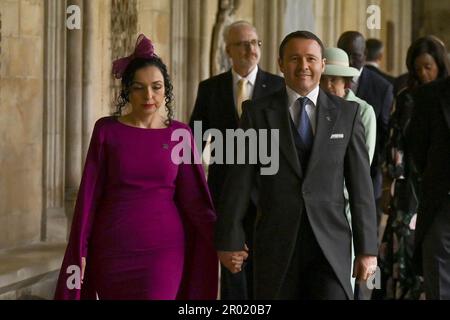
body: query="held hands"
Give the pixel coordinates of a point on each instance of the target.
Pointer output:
(83, 266)
(233, 260)
(364, 267)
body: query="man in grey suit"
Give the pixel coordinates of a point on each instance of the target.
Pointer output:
(302, 240)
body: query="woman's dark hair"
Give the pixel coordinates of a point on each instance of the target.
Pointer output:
(435, 49)
(128, 77)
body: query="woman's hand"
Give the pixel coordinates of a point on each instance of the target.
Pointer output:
(83, 266)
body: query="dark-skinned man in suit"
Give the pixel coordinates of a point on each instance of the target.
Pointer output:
(377, 91)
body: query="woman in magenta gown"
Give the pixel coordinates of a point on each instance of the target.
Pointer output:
(143, 225)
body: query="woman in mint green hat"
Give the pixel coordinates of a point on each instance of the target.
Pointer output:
(336, 80)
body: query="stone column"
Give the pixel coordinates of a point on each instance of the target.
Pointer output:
(91, 72)
(269, 21)
(204, 42)
(74, 100)
(193, 55)
(197, 53)
(123, 25)
(329, 20)
(377, 33)
(299, 15)
(53, 221)
(403, 34)
(179, 47)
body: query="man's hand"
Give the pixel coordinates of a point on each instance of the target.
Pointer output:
(364, 267)
(233, 260)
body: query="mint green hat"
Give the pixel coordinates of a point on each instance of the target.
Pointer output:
(336, 63)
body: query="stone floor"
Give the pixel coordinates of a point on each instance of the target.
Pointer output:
(30, 272)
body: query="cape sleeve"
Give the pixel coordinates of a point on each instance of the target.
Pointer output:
(192, 197)
(89, 194)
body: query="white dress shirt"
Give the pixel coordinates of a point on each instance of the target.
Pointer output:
(355, 81)
(373, 64)
(311, 109)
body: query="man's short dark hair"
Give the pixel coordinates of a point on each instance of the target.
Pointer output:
(374, 48)
(302, 35)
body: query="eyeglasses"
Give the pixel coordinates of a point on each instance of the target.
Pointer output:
(246, 44)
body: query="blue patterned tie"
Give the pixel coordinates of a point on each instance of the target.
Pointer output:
(304, 125)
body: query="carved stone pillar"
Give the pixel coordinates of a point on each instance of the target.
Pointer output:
(194, 53)
(328, 24)
(299, 15)
(74, 100)
(53, 221)
(403, 13)
(91, 73)
(269, 21)
(179, 67)
(194, 64)
(204, 44)
(124, 19)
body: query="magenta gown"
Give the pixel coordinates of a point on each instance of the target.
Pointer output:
(144, 223)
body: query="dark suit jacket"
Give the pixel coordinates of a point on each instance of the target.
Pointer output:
(376, 91)
(215, 107)
(428, 138)
(386, 76)
(283, 196)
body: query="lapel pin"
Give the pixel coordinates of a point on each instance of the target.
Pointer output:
(165, 146)
(328, 118)
(264, 85)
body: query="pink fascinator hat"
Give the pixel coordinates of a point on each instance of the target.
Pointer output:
(143, 49)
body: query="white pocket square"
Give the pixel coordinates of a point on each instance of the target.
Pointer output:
(337, 136)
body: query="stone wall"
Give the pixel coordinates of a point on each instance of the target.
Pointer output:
(432, 18)
(21, 116)
(181, 31)
(154, 22)
(333, 17)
